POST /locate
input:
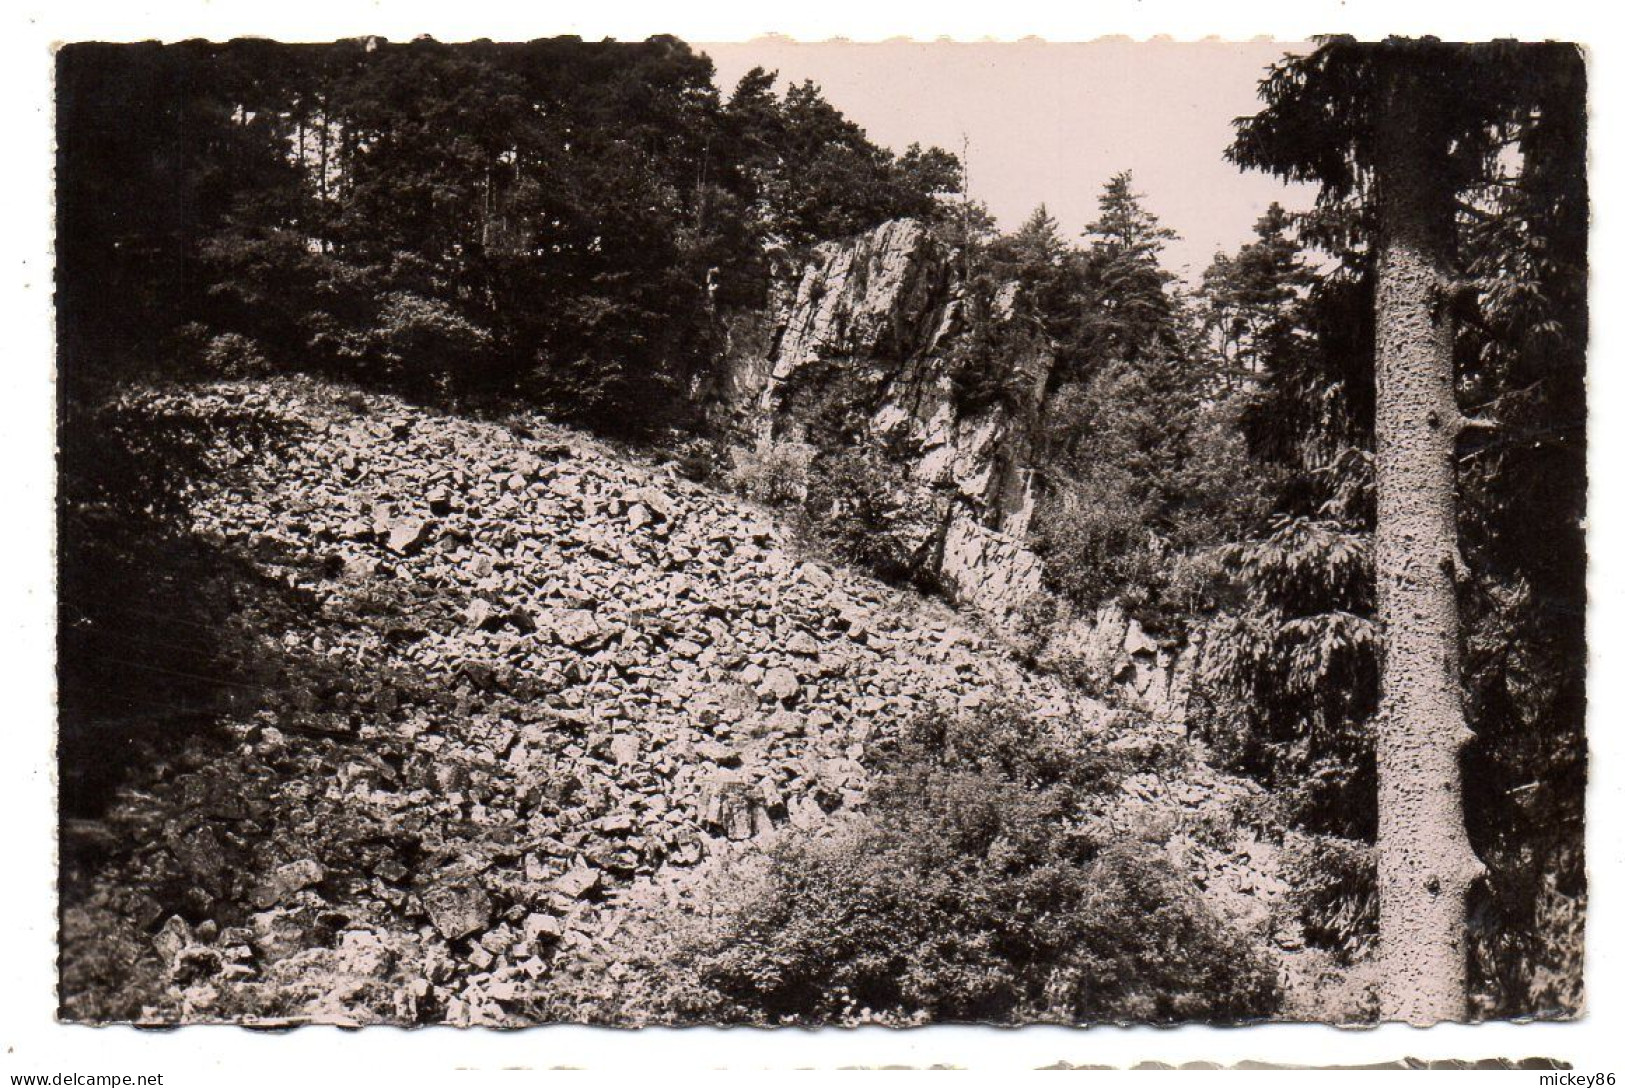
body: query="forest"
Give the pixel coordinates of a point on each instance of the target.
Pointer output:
(1335, 487)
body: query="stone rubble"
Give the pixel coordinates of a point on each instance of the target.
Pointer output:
(533, 677)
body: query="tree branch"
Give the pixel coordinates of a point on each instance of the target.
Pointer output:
(1510, 394)
(1527, 439)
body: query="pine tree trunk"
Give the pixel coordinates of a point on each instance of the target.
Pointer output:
(1425, 862)
(324, 155)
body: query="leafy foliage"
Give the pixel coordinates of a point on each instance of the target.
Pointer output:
(864, 509)
(1334, 892)
(1144, 471)
(1515, 118)
(1251, 301)
(1142, 465)
(1127, 311)
(558, 221)
(970, 895)
(808, 173)
(775, 472)
(1020, 296)
(1300, 669)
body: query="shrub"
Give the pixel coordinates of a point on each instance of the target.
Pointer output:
(866, 511)
(984, 370)
(1142, 469)
(696, 460)
(232, 355)
(1323, 989)
(1034, 623)
(423, 341)
(775, 472)
(970, 893)
(1333, 885)
(1096, 543)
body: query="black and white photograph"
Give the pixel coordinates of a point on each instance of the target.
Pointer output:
(655, 532)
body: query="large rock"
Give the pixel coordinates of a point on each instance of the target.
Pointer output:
(577, 627)
(408, 535)
(781, 684)
(457, 912)
(287, 881)
(988, 569)
(888, 308)
(1109, 651)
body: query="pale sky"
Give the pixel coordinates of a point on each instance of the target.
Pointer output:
(1050, 123)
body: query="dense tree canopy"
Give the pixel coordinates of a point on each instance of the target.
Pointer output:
(1143, 465)
(395, 212)
(1515, 164)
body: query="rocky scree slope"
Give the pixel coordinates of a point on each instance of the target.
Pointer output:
(499, 685)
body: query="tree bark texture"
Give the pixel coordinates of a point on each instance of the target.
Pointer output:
(1425, 862)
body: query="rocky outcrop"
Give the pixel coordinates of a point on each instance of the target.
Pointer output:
(883, 317)
(989, 568)
(521, 676)
(1110, 652)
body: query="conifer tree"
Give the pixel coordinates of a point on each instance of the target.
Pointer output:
(1396, 134)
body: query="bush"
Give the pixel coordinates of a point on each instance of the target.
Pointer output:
(1034, 623)
(1097, 545)
(232, 355)
(775, 472)
(695, 460)
(1143, 469)
(1334, 893)
(866, 511)
(1325, 989)
(970, 893)
(423, 342)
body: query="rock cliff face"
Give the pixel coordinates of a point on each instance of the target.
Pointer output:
(1109, 651)
(887, 316)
